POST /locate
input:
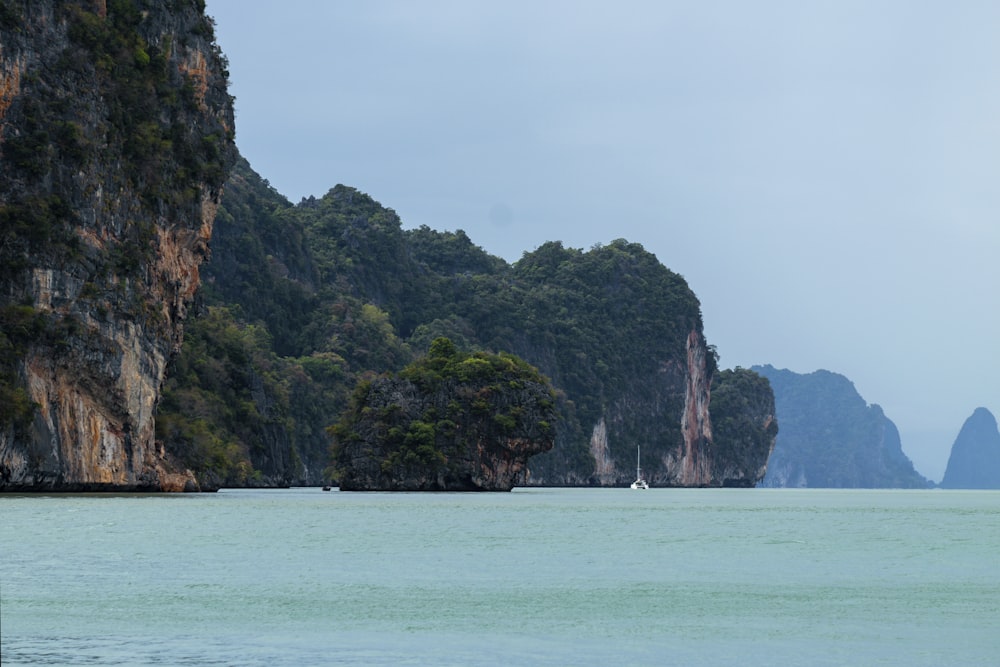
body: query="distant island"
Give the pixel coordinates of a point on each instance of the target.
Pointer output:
(974, 462)
(830, 437)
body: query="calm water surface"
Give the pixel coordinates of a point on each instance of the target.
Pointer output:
(533, 577)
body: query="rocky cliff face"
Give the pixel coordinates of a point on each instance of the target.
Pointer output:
(674, 431)
(672, 420)
(628, 354)
(695, 463)
(116, 141)
(974, 462)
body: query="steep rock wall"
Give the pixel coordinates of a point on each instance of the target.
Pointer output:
(604, 465)
(116, 140)
(695, 463)
(678, 446)
(670, 412)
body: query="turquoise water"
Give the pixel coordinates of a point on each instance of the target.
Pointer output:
(532, 577)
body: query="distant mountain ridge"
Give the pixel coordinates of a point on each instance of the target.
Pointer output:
(974, 462)
(300, 302)
(830, 437)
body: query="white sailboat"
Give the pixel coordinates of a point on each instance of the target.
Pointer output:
(639, 482)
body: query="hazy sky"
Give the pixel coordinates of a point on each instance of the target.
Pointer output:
(825, 174)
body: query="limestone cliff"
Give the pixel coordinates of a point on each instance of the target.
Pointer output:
(116, 141)
(628, 354)
(668, 418)
(694, 466)
(670, 411)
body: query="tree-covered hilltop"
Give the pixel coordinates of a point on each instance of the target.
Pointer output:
(449, 421)
(306, 301)
(831, 438)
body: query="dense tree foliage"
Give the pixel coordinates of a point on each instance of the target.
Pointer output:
(232, 408)
(260, 261)
(741, 397)
(434, 416)
(19, 326)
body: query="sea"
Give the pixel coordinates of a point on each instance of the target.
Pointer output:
(537, 576)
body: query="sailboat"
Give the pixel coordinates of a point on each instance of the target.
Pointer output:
(639, 482)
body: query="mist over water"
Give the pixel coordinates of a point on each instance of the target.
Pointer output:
(533, 577)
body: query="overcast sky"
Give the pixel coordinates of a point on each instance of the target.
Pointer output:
(825, 174)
